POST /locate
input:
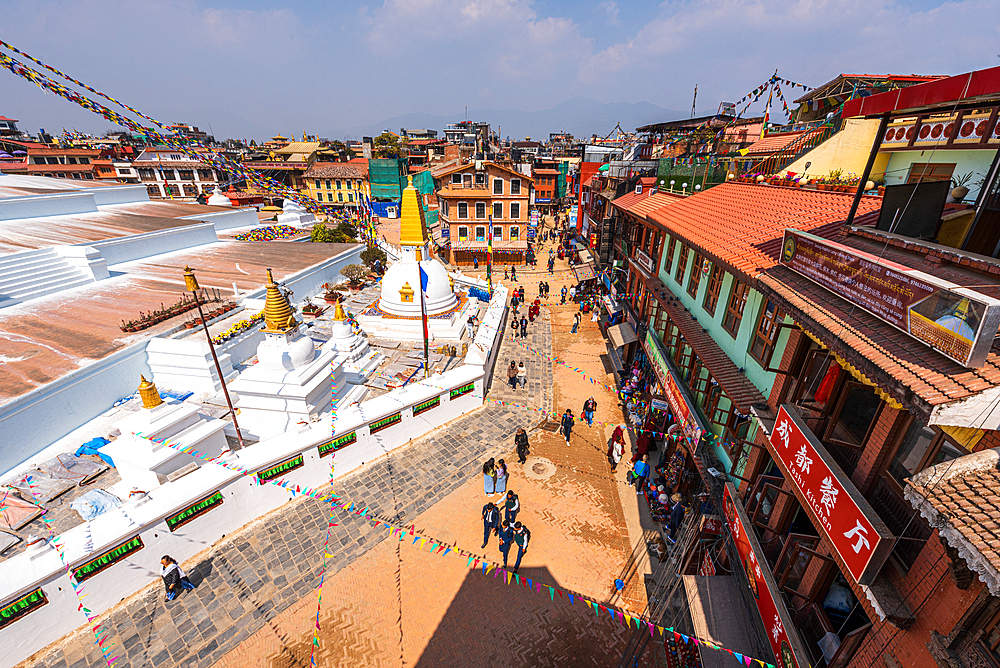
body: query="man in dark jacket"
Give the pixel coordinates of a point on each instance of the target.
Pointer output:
(521, 445)
(521, 538)
(589, 407)
(506, 534)
(566, 425)
(524, 327)
(491, 520)
(676, 516)
(512, 506)
(562, 293)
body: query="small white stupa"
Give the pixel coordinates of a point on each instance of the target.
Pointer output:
(293, 213)
(144, 465)
(218, 199)
(361, 360)
(292, 382)
(397, 314)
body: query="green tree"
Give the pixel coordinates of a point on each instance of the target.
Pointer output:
(342, 149)
(386, 145)
(371, 254)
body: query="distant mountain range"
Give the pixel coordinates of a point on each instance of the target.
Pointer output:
(581, 116)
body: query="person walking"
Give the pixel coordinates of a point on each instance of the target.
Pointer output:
(524, 327)
(563, 294)
(572, 293)
(642, 446)
(520, 294)
(512, 506)
(566, 425)
(521, 445)
(676, 517)
(589, 407)
(576, 322)
(541, 289)
(489, 477)
(639, 473)
(491, 520)
(616, 448)
(522, 374)
(501, 477)
(513, 274)
(174, 579)
(552, 264)
(475, 262)
(512, 374)
(521, 538)
(506, 535)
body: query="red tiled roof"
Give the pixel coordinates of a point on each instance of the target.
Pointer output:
(772, 143)
(337, 170)
(4, 118)
(737, 387)
(961, 498)
(546, 171)
(742, 225)
(884, 354)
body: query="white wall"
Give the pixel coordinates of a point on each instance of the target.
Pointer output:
(139, 246)
(244, 501)
(35, 420)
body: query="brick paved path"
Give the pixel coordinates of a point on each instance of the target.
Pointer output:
(244, 582)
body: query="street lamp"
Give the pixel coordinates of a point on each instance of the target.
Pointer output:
(191, 283)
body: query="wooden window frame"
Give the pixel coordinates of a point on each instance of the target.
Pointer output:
(713, 289)
(518, 216)
(740, 291)
(694, 280)
(682, 259)
(496, 206)
(458, 211)
(669, 262)
(770, 337)
(918, 172)
(843, 391)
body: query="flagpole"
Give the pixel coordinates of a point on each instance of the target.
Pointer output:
(423, 317)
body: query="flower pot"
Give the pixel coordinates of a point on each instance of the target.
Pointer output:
(188, 325)
(881, 190)
(959, 193)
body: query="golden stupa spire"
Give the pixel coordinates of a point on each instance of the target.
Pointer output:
(338, 313)
(412, 227)
(148, 393)
(278, 315)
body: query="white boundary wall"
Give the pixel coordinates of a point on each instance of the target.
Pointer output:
(243, 502)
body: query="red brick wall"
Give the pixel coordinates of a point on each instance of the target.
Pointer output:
(938, 604)
(880, 445)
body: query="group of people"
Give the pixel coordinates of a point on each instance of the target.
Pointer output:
(543, 288)
(517, 375)
(509, 531)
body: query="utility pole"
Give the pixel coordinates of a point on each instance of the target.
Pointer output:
(695, 100)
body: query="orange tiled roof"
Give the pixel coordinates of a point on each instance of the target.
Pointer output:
(772, 143)
(742, 225)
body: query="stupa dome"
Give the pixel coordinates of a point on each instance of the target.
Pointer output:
(218, 199)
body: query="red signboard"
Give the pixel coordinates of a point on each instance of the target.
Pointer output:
(957, 322)
(711, 525)
(684, 413)
(785, 643)
(861, 539)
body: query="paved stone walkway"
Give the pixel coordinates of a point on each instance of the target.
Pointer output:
(246, 581)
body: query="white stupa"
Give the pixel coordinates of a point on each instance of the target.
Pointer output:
(144, 465)
(292, 382)
(397, 314)
(293, 213)
(218, 199)
(360, 359)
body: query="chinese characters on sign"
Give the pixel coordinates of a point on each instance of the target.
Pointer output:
(770, 605)
(957, 322)
(852, 526)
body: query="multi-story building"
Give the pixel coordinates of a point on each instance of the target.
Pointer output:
(484, 198)
(840, 373)
(48, 160)
(546, 175)
(166, 172)
(285, 162)
(339, 185)
(8, 128)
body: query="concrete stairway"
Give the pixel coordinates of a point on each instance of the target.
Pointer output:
(37, 273)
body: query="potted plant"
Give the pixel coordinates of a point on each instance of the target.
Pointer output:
(961, 183)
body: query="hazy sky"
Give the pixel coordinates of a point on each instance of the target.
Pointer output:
(254, 68)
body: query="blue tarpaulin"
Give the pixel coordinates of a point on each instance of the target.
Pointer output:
(93, 447)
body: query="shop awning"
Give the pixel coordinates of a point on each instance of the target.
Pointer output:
(611, 305)
(584, 272)
(585, 256)
(622, 334)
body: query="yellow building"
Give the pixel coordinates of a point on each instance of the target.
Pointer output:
(339, 184)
